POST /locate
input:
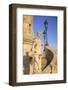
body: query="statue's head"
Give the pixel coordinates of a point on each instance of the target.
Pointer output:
(38, 34)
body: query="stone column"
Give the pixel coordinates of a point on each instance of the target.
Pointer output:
(28, 37)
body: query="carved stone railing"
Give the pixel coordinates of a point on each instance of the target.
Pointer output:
(50, 60)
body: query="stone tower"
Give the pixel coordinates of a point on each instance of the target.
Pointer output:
(28, 33)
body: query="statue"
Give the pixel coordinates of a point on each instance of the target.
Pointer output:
(37, 54)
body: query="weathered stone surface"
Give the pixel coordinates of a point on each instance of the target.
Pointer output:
(28, 35)
(52, 66)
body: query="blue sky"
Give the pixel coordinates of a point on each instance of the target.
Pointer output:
(38, 25)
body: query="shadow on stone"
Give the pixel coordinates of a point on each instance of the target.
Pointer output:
(48, 56)
(26, 63)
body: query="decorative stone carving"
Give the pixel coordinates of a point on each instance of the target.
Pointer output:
(28, 35)
(37, 54)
